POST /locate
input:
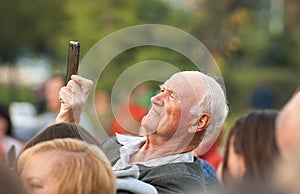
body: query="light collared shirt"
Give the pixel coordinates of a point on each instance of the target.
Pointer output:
(131, 144)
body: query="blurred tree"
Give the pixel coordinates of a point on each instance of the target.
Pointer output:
(31, 25)
(251, 40)
(9, 39)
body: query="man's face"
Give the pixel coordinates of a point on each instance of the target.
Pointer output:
(288, 127)
(170, 108)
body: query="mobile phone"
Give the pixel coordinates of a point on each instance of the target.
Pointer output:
(73, 59)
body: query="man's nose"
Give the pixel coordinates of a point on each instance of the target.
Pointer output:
(158, 99)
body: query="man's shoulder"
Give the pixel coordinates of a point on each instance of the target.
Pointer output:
(174, 177)
(192, 169)
(111, 148)
(112, 145)
(109, 141)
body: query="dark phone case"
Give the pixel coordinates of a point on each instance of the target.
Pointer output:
(73, 59)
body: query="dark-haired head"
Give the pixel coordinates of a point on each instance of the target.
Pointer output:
(62, 130)
(253, 139)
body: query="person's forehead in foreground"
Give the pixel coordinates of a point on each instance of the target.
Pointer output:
(287, 127)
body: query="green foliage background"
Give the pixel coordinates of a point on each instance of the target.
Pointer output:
(248, 40)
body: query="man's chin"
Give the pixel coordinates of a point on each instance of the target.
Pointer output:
(146, 131)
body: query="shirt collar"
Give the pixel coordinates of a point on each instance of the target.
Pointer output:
(131, 144)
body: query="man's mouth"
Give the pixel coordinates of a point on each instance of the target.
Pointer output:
(154, 110)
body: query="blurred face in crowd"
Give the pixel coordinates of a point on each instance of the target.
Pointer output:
(52, 88)
(3, 126)
(170, 108)
(288, 127)
(251, 149)
(235, 165)
(38, 175)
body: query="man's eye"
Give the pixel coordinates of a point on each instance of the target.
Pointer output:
(172, 95)
(35, 186)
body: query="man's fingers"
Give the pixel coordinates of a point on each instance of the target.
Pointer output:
(72, 95)
(72, 98)
(65, 95)
(85, 84)
(74, 88)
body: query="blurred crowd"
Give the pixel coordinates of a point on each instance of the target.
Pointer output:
(177, 143)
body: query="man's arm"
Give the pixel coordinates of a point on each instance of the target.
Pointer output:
(72, 99)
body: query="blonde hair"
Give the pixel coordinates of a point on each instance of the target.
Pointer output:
(83, 168)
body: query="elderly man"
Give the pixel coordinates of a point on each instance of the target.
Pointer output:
(190, 109)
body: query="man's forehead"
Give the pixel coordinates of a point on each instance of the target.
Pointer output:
(177, 83)
(185, 85)
(180, 79)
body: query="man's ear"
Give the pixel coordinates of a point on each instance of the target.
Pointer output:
(200, 124)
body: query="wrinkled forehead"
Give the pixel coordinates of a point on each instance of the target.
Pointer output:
(187, 84)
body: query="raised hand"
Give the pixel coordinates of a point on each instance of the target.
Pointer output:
(72, 98)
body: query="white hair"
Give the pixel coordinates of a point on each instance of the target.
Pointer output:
(214, 103)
